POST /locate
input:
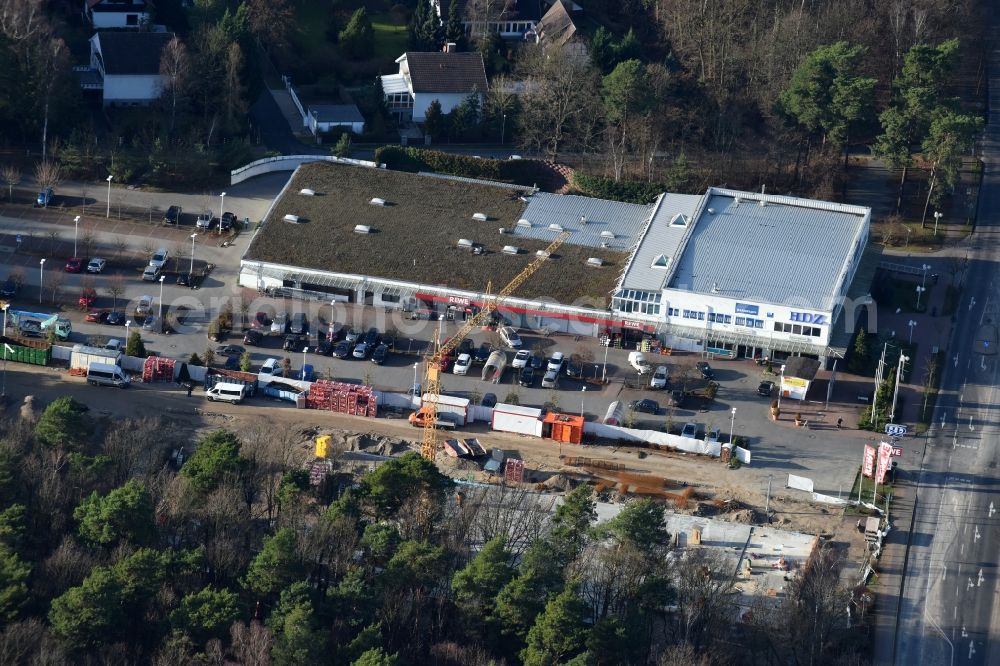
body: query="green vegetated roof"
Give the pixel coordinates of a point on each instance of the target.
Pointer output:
(415, 234)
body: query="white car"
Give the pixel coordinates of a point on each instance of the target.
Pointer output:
(144, 306)
(510, 337)
(96, 265)
(204, 221)
(555, 362)
(159, 258)
(638, 361)
(151, 273)
(659, 378)
(462, 364)
(520, 359)
(114, 344)
(690, 431)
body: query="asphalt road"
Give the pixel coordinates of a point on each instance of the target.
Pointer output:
(949, 612)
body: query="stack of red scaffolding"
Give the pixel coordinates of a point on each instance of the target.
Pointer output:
(158, 369)
(344, 398)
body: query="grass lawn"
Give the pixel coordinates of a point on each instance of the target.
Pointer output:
(390, 36)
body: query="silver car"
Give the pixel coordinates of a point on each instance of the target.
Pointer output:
(550, 379)
(279, 323)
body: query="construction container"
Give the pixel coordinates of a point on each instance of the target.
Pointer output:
(566, 428)
(35, 352)
(353, 399)
(457, 409)
(82, 356)
(615, 414)
(518, 419)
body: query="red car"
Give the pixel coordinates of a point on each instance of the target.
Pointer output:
(74, 265)
(261, 320)
(97, 316)
(87, 298)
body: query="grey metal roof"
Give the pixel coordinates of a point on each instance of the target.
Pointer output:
(661, 239)
(788, 252)
(624, 220)
(336, 113)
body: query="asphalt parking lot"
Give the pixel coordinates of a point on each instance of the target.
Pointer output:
(827, 455)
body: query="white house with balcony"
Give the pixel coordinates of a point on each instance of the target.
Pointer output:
(423, 77)
(125, 66)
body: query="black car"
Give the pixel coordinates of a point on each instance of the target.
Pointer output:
(705, 369)
(9, 288)
(574, 369)
(482, 354)
(378, 356)
(226, 222)
(252, 338)
(389, 342)
(371, 337)
(173, 215)
(184, 279)
(677, 397)
(292, 343)
(489, 400)
(536, 362)
(466, 346)
(527, 376)
(765, 389)
(116, 319)
(342, 349)
(229, 350)
(324, 348)
(646, 406)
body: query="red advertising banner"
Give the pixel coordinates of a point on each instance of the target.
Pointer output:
(884, 456)
(867, 467)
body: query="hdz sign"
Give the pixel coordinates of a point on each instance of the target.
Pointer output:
(894, 430)
(743, 308)
(808, 318)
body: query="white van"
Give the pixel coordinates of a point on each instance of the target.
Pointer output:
(226, 392)
(106, 374)
(638, 361)
(271, 367)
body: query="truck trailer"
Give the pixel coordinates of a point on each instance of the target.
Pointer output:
(27, 321)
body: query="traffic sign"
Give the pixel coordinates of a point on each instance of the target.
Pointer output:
(19, 239)
(894, 430)
(897, 451)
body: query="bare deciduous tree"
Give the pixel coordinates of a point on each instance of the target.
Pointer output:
(116, 288)
(251, 644)
(55, 282)
(48, 174)
(11, 176)
(175, 67)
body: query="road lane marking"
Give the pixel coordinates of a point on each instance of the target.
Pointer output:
(979, 583)
(965, 634)
(992, 510)
(972, 649)
(977, 535)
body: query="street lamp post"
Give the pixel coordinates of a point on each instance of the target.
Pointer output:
(937, 218)
(583, 398)
(160, 310)
(127, 324)
(781, 383)
(503, 126)
(604, 373)
(222, 207)
(41, 279)
(108, 214)
(76, 232)
(895, 392)
(911, 324)
(908, 230)
(732, 427)
(304, 350)
(920, 290)
(923, 280)
(414, 385)
(191, 271)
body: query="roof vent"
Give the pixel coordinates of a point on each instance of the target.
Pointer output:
(377, 201)
(523, 224)
(464, 244)
(711, 211)
(583, 219)
(292, 219)
(362, 229)
(660, 261)
(510, 249)
(544, 254)
(502, 231)
(608, 234)
(604, 245)
(480, 217)
(523, 198)
(555, 227)
(715, 287)
(736, 202)
(762, 202)
(595, 262)
(306, 192)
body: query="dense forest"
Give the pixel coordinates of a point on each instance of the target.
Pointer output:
(110, 555)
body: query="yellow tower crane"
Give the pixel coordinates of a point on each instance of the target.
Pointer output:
(432, 363)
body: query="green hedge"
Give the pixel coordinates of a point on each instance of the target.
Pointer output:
(632, 191)
(520, 172)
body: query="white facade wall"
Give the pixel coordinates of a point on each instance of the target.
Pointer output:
(448, 102)
(104, 20)
(138, 89)
(314, 126)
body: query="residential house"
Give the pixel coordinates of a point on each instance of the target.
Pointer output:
(125, 66)
(511, 19)
(104, 14)
(324, 118)
(447, 77)
(557, 30)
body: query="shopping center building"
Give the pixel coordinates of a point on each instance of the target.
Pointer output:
(724, 272)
